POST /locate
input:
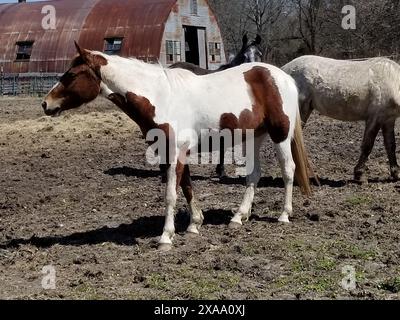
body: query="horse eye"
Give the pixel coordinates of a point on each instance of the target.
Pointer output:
(68, 76)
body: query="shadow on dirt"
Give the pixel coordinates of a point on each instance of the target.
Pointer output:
(265, 182)
(132, 172)
(143, 173)
(270, 182)
(125, 234)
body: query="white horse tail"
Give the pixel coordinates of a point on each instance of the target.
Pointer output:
(300, 157)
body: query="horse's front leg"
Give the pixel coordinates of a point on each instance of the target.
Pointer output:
(251, 182)
(165, 242)
(390, 145)
(285, 158)
(371, 131)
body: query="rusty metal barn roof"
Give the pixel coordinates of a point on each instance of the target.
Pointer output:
(140, 22)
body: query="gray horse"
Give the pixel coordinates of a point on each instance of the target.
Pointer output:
(364, 90)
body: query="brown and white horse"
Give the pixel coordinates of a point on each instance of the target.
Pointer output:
(250, 52)
(256, 96)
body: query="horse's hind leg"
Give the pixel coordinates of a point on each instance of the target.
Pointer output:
(390, 145)
(196, 215)
(165, 242)
(306, 110)
(284, 153)
(371, 131)
(251, 182)
(220, 170)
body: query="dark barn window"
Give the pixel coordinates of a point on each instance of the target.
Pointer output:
(113, 45)
(173, 51)
(24, 50)
(215, 51)
(193, 7)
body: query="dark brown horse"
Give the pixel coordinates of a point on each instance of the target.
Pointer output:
(250, 52)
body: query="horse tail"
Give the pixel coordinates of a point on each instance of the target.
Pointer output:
(300, 157)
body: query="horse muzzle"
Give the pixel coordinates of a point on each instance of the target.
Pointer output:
(50, 111)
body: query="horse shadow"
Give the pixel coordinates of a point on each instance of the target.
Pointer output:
(265, 181)
(271, 182)
(133, 172)
(124, 234)
(143, 173)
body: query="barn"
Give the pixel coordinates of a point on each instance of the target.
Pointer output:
(152, 30)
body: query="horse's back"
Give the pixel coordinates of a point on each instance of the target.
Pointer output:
(363, 70)
(274, 78)
(345, 89)
(190, 67)
(229, 92)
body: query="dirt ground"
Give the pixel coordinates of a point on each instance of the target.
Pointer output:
(77, 194)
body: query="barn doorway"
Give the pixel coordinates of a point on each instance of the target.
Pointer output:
(195, 46)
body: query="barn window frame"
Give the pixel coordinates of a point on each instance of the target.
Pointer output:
(215, 50)
(173, 50)
(24, 50)
(194, 7)
(113, 45)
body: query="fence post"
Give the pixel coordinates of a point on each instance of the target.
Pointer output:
(1, 83)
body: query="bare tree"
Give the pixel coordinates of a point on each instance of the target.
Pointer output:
(263, 16)
(310, 22)
(290, 28)
(232, 17)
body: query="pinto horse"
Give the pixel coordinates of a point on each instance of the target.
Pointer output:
(248, 53)
(364, 90)
(256, 96)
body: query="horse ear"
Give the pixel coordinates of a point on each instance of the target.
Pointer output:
(258, 39)
(78, 48)
(85, 54)
(245, 39)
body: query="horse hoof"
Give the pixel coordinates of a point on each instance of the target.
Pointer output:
(234, 225)
(190, 235)
(164, 247)
(360, 177)
(284, 219)
(395, 175)
(193, 231)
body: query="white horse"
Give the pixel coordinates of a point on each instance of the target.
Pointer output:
(364, 90)
(254, 96)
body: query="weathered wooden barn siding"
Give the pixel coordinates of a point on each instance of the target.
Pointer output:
(179, 16)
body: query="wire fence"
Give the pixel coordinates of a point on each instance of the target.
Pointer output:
(29, 84)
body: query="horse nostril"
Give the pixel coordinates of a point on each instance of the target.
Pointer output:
(44, 105)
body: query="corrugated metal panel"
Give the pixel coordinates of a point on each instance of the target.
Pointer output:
(140, 22)
(52, 48)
